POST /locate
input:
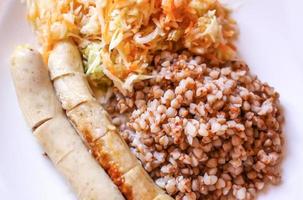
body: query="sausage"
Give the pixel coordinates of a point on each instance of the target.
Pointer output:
(93, 124)
(34, 90)
(54, 132)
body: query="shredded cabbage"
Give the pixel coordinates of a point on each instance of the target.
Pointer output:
(129, 32)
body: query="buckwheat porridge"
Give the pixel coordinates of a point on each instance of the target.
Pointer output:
(201, 131)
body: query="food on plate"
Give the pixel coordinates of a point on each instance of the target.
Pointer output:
(156, 91)
(92, 123)
(203, 132)
(58, 138)
(119, 38)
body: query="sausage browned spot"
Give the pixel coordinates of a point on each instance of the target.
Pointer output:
(142, 185)
(163, 197)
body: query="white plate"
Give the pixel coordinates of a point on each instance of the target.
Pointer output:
(271, 43)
